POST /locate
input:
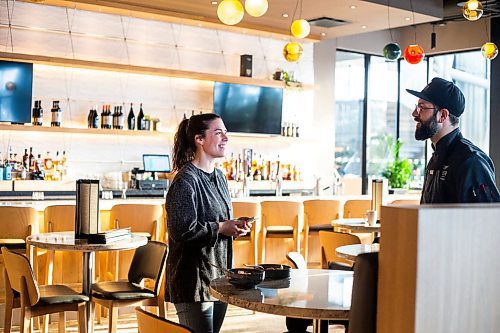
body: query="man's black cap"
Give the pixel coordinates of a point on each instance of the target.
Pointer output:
(444, 94)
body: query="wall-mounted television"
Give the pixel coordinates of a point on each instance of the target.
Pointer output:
(16, 84)
(249, 109)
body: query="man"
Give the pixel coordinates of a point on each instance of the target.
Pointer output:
(458, 171)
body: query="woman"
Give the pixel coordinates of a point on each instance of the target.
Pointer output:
(200, 229)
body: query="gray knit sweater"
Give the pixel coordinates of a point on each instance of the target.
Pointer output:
(196, 202)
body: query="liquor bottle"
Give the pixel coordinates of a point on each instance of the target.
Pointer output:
(109, 117)
(63, 164)
(26, 159)
(289, 130)
(140, 119)
(48, 166)
(103, 116)
(56, 171)
(297, 131)
(56, 114)
(119, 124)
(35, 114)
(283, 129)
(131, 118)
(31, 161)
(39, 165)
(115, 118)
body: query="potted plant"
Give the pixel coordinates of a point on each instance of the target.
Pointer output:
(397, 172)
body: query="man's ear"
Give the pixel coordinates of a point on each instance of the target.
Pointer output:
(443, 115)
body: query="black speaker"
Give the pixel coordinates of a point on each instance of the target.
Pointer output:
(246, 65)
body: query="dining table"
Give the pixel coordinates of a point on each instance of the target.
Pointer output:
(315, 294)
(350, 252)
(356, 225)
(66, 241)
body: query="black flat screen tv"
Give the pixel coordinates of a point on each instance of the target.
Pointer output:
(16, 84)
(249, 109)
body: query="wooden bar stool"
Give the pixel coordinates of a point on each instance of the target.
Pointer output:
(281, 219)
(247, 244)
(318, 215)
(357, 209)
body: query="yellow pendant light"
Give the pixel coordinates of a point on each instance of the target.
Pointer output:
(292, 51)
(472, 10)
(230, 12)
(256, 8)
(489, 50)
(300, 28)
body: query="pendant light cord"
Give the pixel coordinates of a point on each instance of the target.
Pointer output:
(10, 14)
(414, 24)
(389, 21)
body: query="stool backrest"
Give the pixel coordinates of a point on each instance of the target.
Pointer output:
(282, 213)
(321, 211)
(356, 208)
(59, 218)
(140, 218)
(18, 222)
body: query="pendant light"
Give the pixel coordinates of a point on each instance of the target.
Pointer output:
(489, 50)
(300, 28)
(230, 12)
(414, 54)
(292, 51)
(391, 51)
(256, 8)
(472, 10)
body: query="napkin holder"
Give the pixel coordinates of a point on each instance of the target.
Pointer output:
(87, 208)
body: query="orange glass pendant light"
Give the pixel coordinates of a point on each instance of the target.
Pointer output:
(256, 8)
(292, 51)
(472, 10)
(300, 28)
(489, 50)
(230, 12)
(414, 54)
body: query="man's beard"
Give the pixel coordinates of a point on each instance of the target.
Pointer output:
(427, 129)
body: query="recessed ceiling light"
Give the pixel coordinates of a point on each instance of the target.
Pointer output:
(213, 2)
(352, 7)
(407, 18)
(323, 34)
(285, 15)
(363, 26)
(200, 25)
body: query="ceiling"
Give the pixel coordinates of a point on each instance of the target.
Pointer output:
(359, 16)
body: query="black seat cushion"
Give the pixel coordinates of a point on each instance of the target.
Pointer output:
(320, 227)
(58, 294)
(120, 290)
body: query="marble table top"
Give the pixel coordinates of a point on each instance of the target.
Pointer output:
(356, 224)
(66, 241)
(350, 252)
(313, 293)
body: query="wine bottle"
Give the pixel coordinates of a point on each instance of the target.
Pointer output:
(140, 119)
(90, 118)
(35, 114)
(26, 159)
(119, 124)
(131, 118)
(39, 120)
(95, 118)
(31, 161)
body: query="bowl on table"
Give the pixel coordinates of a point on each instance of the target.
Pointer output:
(245, 278)
(276, 271)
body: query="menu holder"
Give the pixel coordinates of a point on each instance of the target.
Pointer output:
(87, 208)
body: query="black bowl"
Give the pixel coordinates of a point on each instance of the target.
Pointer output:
(245, 277)
(276, 271)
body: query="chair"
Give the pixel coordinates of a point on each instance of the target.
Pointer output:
(318, 215)
(329, 241)
(151, 323)
(363, 313)
(247, 209)
(405, 202)
(16, 223)
(356, 208)
(297, 260)
(148, 263)
(142, 219)
(36, 301)
(281, 219)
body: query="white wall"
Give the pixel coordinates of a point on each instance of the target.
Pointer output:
(43, 30)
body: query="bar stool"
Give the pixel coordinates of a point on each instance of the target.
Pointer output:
(357, 209)
(242, 244)
(281, 219)
(318, 215)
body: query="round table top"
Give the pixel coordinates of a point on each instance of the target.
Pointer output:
(66, 241)
(313, 293)
(350, 252)
(356, 224)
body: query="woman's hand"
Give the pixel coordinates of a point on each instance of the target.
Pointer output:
(231, 228)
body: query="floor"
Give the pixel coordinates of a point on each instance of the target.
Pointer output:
(237, 320)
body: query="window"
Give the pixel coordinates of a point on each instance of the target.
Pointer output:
(349, 96)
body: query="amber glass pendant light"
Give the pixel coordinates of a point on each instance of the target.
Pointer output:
(292, 51)
(472, 10)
